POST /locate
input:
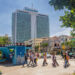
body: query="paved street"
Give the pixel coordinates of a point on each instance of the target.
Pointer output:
(39, 70)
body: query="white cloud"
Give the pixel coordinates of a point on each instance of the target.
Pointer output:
(64, 32)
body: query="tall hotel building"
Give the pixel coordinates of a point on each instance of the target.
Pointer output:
(29, 24)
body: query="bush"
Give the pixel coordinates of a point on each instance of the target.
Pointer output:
(0, 73)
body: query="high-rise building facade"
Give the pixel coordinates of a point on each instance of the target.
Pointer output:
(29, 24)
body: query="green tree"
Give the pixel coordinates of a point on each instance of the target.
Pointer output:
(4, 40)
(44, 46)
(69, 44)
(61, 4)
(68, 19)
(1, 40)
(36, 48)
(72, 43)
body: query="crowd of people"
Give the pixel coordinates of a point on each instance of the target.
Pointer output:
(31, 59)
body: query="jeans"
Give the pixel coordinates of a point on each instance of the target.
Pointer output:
(66, 63)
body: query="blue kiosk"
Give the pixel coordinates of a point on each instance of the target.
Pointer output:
(14, 53)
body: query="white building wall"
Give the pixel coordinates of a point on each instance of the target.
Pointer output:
(33, 25)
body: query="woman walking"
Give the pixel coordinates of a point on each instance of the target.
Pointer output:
(31, 62)
(45, 59)
(66, 59)
(55, 63)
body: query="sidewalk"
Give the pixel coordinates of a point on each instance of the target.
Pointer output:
(39, 70)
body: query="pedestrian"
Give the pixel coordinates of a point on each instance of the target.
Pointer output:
(66, 59)
(55, 63)
(31, 57)
(26, 59)
(35, 59)
(45, 59)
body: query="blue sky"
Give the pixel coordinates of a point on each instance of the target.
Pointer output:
(9, 6)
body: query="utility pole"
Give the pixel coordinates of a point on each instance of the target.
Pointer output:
(49, 38)
(34, 27)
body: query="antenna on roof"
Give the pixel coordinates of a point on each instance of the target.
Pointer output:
(32, 5)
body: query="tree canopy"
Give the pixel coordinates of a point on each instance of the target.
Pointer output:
(61, 4)
(4, 40)
(44, 44)
(37, 48)
(68, 19)
(69, 44)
